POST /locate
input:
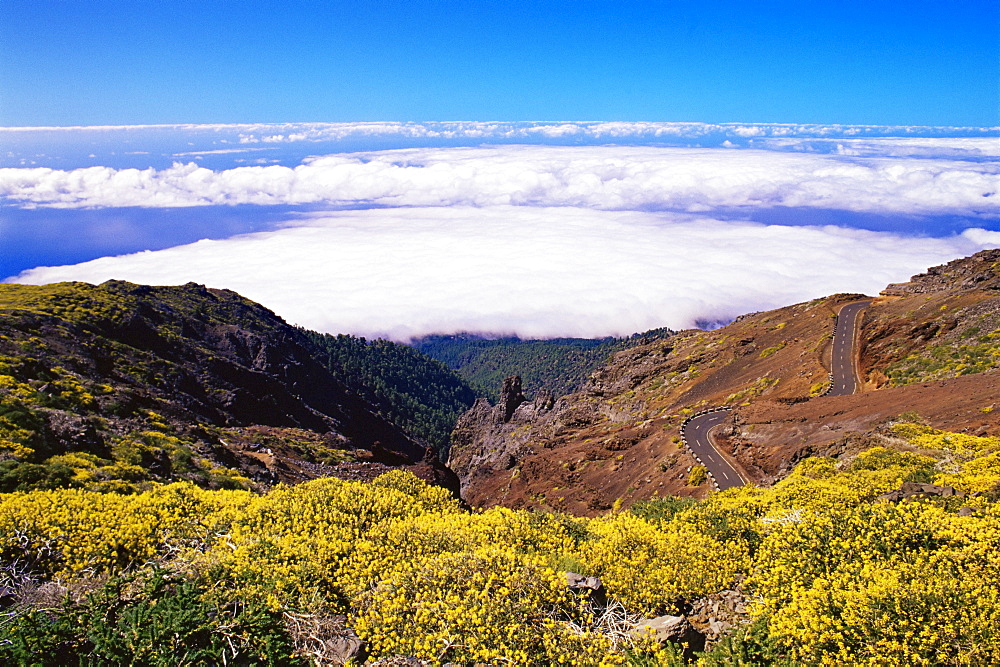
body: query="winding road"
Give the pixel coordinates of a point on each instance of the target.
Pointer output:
(843, 375)
(697, 430)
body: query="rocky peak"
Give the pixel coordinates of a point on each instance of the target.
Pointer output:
(980, 271)
(511, 397)
(483, 441)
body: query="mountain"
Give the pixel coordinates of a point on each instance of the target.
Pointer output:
(929, 348)
(871, 512)
(116, 385)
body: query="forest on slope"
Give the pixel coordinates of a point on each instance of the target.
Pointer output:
(411, 389)
(557, 365)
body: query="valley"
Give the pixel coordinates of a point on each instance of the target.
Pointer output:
(182, 454)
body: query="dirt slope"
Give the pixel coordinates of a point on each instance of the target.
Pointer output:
(928, 347)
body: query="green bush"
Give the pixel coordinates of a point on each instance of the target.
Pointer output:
(661, 510)
(22, 476)
(148, 619)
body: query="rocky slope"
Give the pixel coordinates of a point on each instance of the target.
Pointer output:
(118, 384)
(929, 348)
(618, 439)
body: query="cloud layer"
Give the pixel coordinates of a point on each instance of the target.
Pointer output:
(551, 236)
(530, 271)
(605, 178)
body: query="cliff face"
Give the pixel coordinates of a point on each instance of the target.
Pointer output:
(188, 358)
(931, 346)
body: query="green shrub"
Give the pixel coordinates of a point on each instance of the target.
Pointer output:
(149, 619)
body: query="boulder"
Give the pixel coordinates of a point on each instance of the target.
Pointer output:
(579, 582)
(916, 490)
(593, 585)
(674, 629)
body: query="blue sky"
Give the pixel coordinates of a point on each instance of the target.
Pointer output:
(138, 62)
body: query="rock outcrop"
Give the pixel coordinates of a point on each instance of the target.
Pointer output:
(672, 629)
(980, 271)
(918, 491)
(485, 440)
(718, 614)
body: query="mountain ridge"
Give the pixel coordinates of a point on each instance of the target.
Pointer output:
(617, 440)
(132, 375)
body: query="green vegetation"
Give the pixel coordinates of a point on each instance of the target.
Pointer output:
(659, 510)
(559, 365)
(116, 386)
(698, 475)
(73, 302)
(768, 351)
(149, 618)
(417, 393)
(36, 396)
(972, 352)
(818, 388)
(837, 575)
(760, 385)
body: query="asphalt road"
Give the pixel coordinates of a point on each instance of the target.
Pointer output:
(844, 378)
(697, 431)
(697, 435)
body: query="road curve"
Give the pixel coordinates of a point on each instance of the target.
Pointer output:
(697, 434)
(697, 430)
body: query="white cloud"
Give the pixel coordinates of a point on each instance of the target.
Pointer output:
(593, 130)
(532, 271)
(607, 178)
(896, 147)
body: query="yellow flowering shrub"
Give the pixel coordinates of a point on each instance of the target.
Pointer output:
(72, 531)
(910, 609)
(813, 545)
(929, 438)
(815, 467)
(289, 546)
(489, 606)
(393, 546)
(732, 517)
(971, 463)
(654, 569)
(831, 575)
(980, 475)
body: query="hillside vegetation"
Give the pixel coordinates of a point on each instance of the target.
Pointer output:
(411, 389)
(944, 323)
(830, 570)
(119, 386)
(557, 365)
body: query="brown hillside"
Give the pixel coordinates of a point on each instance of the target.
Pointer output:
(927, 347)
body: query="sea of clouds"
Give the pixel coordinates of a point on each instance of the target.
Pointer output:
(582, 229)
